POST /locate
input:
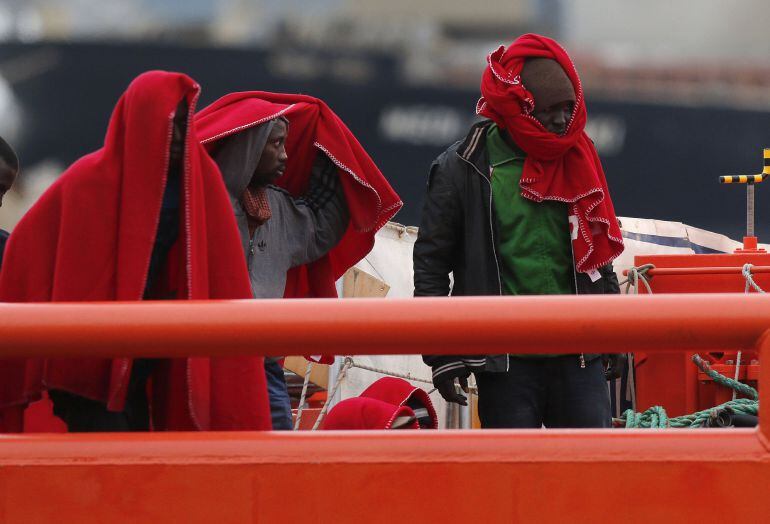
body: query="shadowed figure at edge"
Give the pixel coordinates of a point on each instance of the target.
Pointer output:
(9, 169)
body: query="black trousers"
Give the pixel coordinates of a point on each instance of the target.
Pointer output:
(551, 391)
(84, 415)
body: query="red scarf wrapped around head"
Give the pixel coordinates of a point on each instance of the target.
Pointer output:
(90, 238)
(314, 129)
(564, 168)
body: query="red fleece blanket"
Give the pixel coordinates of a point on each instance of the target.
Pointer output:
(367, 413)
(313, 128)
(398, 391)
(90, 238)
(564, 168)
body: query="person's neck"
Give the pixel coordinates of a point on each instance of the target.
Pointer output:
(257, 187)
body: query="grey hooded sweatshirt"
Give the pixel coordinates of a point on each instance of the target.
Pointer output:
(300, 231)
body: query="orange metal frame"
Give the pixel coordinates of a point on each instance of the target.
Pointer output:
(409, 476)
(724, 270)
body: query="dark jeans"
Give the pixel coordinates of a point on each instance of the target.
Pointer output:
(551, 391)
(280, 404)
(85, 415)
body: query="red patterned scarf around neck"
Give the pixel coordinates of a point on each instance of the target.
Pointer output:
(564, 167)
(257, 207)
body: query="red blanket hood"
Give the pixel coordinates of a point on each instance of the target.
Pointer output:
(313, 128)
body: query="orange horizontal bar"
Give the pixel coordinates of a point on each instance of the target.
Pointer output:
(362, 447)
(726, 270)
(467, 325)
(412, 476)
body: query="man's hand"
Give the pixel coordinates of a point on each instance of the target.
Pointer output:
(448, 390)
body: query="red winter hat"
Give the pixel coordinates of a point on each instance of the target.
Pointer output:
(399, 392)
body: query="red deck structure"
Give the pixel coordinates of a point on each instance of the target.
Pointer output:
(670, 379)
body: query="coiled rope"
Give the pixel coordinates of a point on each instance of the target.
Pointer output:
(636, 275)
(746, 272)
(656, 416)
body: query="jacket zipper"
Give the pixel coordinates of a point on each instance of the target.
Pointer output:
(492, 233)
(491, 226)
(582, 356)
(252, 236)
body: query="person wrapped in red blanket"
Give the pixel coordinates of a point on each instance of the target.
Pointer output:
(306, 196)
(145, 217)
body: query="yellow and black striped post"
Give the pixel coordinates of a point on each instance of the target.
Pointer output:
(750, 180)
(742, 179)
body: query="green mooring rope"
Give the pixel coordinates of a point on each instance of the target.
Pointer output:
(656, 416)
(740, 387)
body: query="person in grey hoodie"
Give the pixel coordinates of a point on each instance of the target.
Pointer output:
(279, 231)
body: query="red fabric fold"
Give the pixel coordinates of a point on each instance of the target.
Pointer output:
(564, 168)
(366, 413)
(90, 237)
(398, 391)
(313, 127)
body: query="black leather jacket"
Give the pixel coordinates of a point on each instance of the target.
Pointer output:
(458, 235)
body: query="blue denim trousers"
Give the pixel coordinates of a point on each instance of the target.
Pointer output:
(280, 404)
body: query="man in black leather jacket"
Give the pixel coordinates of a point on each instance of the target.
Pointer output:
(476, 226)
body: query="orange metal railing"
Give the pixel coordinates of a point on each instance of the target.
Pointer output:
(489, 476)
(687, 271)
(555, 324)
